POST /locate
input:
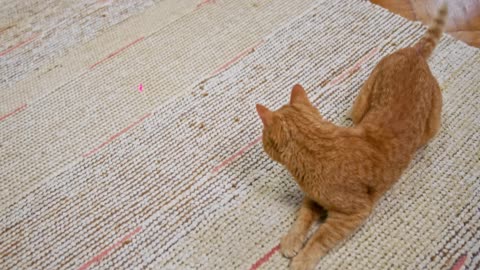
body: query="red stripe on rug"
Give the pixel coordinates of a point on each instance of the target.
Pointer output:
(17, 110)
(97, 258)
(117, 52)
(459, 263)
(204, 2)
(265, 258)
(236, 155)
(22, 43)
(354, 68)
(236, 58)
(115, 136)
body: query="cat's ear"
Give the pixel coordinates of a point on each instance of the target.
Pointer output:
(265, 114)
(298, 95)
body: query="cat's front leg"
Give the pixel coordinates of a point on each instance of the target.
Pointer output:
(291, 244)
(337, 227)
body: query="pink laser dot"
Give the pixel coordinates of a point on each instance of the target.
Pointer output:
(140, 88)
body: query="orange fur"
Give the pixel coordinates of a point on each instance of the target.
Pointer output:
(429, 41)
(345, 170)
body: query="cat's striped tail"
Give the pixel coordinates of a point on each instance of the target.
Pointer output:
(429, 41)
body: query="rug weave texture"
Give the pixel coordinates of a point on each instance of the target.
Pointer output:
(183, 183)
(92, 95)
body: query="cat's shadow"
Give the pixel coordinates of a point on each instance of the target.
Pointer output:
(288, 194)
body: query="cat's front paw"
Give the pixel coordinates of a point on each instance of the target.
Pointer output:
(291, 244)
(302, 262)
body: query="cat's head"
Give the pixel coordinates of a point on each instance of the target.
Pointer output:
(282, 128)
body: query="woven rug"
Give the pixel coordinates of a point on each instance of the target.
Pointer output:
(186, 185)
(91, 94)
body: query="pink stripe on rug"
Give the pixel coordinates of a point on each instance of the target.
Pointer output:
(17, 110)
(116, 52)
(236, 58)
(97, 258)
(236, 155)
(459, 263)
(265, 258)
(205, 2)
(354, 68)
(115, 136)
(22, 43)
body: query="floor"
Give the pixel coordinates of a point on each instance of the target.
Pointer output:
(463, 22)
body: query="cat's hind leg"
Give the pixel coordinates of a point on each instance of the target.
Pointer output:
(361, 103)
(434, 119)
(291, 244)
(336, 228)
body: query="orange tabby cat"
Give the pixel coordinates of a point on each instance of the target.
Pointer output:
(345, 170)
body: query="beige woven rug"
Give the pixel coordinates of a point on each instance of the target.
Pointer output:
(95, 174)
(78, 101)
